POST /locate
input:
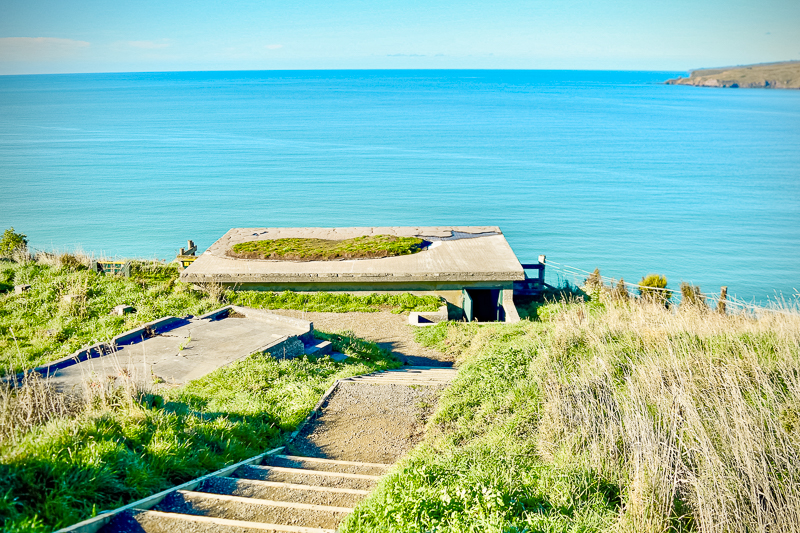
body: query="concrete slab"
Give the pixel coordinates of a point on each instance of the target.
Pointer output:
(191, 349)
(458, 254)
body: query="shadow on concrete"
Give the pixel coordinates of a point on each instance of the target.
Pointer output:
(413, 360)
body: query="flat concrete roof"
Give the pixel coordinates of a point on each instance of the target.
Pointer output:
(457, 254)
(189, 351)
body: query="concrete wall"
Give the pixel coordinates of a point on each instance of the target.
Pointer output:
(451, 292)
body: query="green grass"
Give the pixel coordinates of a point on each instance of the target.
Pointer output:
(40, 326)
(327, 250)
(334, 302)
(124, 447)
(606, 417)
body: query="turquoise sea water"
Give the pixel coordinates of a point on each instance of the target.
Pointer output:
(595, 169)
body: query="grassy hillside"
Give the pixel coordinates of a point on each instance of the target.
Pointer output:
(784, 75)
(607, 417)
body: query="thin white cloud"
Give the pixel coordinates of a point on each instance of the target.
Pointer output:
(150, 45)
(39, 48)
(273, 46)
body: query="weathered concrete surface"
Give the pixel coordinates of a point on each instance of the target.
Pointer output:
(481, 255)
(191, 350)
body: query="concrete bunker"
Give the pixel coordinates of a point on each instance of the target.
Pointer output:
(472, 268)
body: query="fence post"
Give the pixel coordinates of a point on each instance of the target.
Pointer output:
(723, 295)
(541, 270)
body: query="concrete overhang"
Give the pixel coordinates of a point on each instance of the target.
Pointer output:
(458, 254)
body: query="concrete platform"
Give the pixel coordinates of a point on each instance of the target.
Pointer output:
(189, 349)
(458, 256)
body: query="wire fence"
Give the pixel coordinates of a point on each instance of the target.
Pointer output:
(578, 276)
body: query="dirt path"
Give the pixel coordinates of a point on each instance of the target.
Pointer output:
(368, 422)
(390, 331)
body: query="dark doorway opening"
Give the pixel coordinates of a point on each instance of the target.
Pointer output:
(483, 305)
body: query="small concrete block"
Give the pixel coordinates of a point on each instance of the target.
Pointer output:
(338, 357)
(19, 289)
(320, 348)
(69, 298)
(121, 310)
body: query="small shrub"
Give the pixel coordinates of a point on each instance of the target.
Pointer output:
(70, 262)
(13, 243)
(653, 287)
(620, 292)
(594, 282)
(692, 297)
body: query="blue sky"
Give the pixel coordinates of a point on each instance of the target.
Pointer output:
(56, 36)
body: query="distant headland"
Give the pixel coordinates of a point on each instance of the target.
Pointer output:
(783, 75)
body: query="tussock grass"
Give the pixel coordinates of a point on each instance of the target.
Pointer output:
(370, 246)
(616, 416)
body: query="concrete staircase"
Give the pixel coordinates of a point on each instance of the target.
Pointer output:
(283, 494)
(269, 492)
(416, 375)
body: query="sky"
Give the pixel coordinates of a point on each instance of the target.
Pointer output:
(65, 36)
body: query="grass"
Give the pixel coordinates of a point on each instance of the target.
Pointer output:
(68, 306)
(127, 443)
(371, 246)
(334, 302)
(601, 416)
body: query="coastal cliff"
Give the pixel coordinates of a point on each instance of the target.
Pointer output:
(784, 75)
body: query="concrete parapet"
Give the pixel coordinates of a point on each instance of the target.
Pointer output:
(145, 330)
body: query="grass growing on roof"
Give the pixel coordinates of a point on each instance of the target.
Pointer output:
(124, 447)
(618, 416)
(371, 246)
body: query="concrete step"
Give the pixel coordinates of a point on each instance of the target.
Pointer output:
(327, 465)
(319, 348)
(301, 476)
(253, 510)
(287, 492)
(409, 377)
(389, 381)
(163, 522)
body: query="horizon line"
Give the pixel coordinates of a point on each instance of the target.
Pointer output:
(352, 70)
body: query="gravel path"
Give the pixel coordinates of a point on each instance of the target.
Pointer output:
(389, 330)
(368, 422)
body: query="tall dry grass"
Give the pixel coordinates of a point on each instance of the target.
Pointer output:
(31, 403)
(34, 400)
(694, 414)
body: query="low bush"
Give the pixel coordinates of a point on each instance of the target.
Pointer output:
(653, 287)
(13, 243)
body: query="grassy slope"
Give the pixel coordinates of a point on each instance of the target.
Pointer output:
(607, 418)
(126, 446)
(327, 250)
(40, 326)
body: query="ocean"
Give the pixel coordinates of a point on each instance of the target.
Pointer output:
(595, 169)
